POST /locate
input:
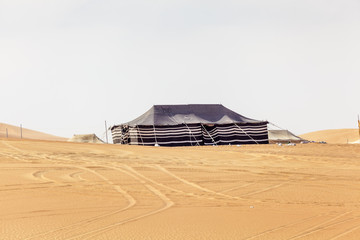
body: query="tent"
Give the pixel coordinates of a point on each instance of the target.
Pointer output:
(283, 136)
(356, 142)
(189, 125)
(85, 138)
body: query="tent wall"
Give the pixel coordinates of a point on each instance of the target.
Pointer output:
(179, 135)
(120, 134)
(192, 134)
(235, 134)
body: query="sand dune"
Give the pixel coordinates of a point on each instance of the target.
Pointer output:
(60, 190)
(335, 136)
(15, 132)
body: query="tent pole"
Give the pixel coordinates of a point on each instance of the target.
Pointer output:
(156, 143)
(246, 133)
(190, 133)
(107, 141)
(140, 134)
(359, 125)
(276, 126)
(187, 127)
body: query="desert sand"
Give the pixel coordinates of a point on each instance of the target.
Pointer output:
(15, 132)
(62, 190)
(334, 136)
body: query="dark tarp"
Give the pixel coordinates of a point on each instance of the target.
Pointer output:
(189, 125)
(160, 115)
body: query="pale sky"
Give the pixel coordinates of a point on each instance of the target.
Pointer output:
(66, 66)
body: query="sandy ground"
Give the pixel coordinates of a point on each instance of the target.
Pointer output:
(60, 190)
(334, 136)
(15, 132)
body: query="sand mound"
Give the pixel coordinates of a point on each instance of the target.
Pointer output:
(335, 136)
(15, 132)
(85, 138)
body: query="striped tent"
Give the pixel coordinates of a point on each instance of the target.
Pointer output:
(190, 125)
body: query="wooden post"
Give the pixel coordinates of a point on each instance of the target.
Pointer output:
(21, 131)
(107, 141)
(7, 135)
(359, 125)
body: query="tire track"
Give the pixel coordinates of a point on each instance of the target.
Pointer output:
(132, 170)
(345, 233)
(167, 204)
(193, 184)
(130, 199)
(11, 146)
(282, 227)
(76, 176)
(12, 156)
(235, 188)
(324, 227)
(263, 189)
(320, 226)
(39, 175)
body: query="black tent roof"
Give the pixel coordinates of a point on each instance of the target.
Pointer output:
(189, 114)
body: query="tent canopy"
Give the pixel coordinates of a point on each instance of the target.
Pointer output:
(189, 114)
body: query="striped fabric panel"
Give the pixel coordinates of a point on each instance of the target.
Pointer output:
(181, 135)
(235, 134)
(190, 135)
(119, 137)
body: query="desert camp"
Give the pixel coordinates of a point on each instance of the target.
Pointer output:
(190, 125)
(179, 120)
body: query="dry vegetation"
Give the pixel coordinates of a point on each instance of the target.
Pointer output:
(59, 190)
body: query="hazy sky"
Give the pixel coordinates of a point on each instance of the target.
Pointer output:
(66, 66)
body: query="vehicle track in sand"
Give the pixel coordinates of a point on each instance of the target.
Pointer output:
(77, 225)
(77, 176)
(181, 193)
(282, 227)
(188, 194)
(346, 232)
(162, 169)
(264, 189)
(40, 175)
(167, 204)
(237, 187)
(321, 226)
